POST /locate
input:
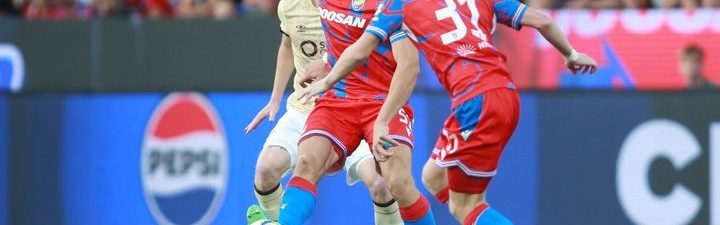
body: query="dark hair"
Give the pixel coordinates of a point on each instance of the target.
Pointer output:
(691, 50)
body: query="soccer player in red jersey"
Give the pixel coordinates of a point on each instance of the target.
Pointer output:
(346, 113)
(455, 37)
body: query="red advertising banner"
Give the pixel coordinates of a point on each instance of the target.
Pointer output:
(635, 49)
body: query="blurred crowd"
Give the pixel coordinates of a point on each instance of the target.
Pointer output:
(223, 9)
(152, 9)
(623, 4)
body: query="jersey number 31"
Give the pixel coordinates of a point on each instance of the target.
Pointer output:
(460, 28)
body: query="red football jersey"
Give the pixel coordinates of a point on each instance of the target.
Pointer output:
(344, 22)
(456, 38)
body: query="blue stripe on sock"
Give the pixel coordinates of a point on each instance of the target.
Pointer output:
(428, 219)
(492, 217)
(297, 206)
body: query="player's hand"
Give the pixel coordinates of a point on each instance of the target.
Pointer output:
(583, 64)
(382, 142)
(315, 70)
(269, 111)
(316, 88)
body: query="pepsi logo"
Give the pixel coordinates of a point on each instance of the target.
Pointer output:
(184, 161)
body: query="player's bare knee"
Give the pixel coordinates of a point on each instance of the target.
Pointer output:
(428, 182)
(433, 178)
(267, 175)
(380, 191)
(399, 186)
(307, 166)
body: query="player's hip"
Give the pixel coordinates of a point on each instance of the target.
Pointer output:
(498, 107)
(481, 125)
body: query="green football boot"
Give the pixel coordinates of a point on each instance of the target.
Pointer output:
(256, 216)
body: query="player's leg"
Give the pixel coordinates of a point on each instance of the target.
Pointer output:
(467, 204)
(273, 162)
(315, 157)
(276, 158)
(330, 136)
(434, 177)
(435, 180)
(361, 164)
(397, 171)
(472, 158)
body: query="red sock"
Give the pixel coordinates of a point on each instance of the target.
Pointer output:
(303, 184)
(443, 195)
(475, 213)
(415, 211)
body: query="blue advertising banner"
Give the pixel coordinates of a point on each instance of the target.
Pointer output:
(34, 179)
(109, 142)
(184, 158)
(579, 137)
(102, 142)
(4, 160)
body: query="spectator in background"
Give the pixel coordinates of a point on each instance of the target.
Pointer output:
(687, 4)
(691, 66)
(542, 4)
(710, 3)
(104, 8)
(668, 4)
(51, 10)
(268, 7)
(608, 4)
(635, 4)
(153, 9)
(218, 9)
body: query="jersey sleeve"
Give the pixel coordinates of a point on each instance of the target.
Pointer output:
(281, 17)
(509, 12)
(282, 30)
(282, 27)
(387, 20)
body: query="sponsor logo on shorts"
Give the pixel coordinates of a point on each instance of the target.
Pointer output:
(184, 162)
(465, 134)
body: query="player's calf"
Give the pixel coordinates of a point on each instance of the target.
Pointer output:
(467, 200)
(462, 204)
(387, 210)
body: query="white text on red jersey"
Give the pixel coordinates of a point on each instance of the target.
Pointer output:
(341, 18)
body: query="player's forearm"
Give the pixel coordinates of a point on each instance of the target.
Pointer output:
(401, 87)
(283, 69)
(403, 81)
(352, 57)
(548, 29)
(555, 36)
(348, 61)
